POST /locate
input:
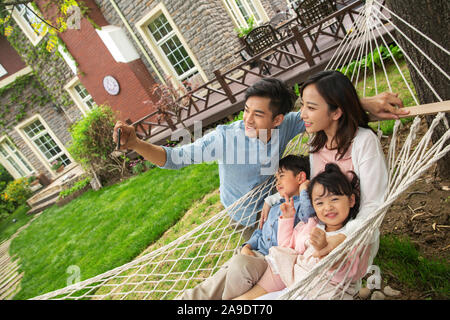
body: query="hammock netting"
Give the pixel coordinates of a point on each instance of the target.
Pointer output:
(182, 264)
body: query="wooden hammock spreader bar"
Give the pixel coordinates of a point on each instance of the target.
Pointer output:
(429, 108)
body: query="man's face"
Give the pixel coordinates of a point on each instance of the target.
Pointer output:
(258, 119)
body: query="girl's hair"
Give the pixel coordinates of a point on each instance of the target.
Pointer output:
(338, 92)
(335, 182)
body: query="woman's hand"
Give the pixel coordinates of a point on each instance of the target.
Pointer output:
(332, 242)
(382, 106)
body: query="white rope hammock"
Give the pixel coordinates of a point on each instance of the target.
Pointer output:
(166, 272)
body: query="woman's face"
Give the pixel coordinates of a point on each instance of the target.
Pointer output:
(331, 209)
(315, 112)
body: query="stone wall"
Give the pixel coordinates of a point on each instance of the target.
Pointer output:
(50, 74)
(205, 25)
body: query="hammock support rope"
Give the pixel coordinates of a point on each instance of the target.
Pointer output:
(166, 272)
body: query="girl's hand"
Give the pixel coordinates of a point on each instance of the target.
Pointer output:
(332, 242)
(318, 239)
(287, 208)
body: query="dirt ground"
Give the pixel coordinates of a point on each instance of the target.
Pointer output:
(422, 213)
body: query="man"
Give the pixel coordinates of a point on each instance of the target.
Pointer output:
(247, 151)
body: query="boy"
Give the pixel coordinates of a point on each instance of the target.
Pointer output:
(243, 271)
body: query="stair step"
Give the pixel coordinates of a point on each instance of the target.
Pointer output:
(42, 206)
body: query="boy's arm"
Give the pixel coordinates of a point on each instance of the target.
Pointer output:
(269, 202)
(305, 209)
(252, 243)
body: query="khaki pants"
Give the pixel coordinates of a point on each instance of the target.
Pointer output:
(237, 276)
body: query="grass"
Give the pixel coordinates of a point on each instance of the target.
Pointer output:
(104, 229)
(398, 85)
(398, 257)
(8, 227)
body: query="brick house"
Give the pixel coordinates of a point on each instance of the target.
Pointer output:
(115, 59)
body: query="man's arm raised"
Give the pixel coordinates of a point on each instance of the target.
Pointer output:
(128, 140)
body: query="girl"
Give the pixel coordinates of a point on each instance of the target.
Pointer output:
(332, 111)
(336, 201)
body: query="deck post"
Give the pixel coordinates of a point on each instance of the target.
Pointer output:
(301, 42)
(225, 86)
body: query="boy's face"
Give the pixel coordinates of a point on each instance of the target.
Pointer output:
(258, 119)
(288, 183)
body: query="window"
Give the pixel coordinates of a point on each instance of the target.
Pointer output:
(242, 10)
(28, 21)
(43, 141)
(80, 95)
(2, 71)
(170, 45)
(14, 160)
(84, 96)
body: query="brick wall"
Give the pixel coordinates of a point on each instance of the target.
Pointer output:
(95, 62)
(9, 58)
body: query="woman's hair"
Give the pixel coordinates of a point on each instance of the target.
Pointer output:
(338, 92)
(296, 164)
(282, 98)
(334, 181)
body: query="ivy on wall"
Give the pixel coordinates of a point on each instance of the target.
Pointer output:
(46, 66)
(14, 100)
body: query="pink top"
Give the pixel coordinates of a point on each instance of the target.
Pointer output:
(298, 239)
(324, 156)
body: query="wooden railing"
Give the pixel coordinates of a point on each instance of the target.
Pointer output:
(227, 86)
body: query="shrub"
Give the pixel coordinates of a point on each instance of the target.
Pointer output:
(15, 194)
(92, 143)
(79, 185)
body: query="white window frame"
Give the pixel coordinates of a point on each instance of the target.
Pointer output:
(18, 158)
(79, 101)
(237, 16)
(20, 128)
(11, 78)
(68, 58)
(27, 29)
(144, 31)
(2, 71)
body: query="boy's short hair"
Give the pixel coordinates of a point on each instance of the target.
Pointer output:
(282, 98)
(295, 164)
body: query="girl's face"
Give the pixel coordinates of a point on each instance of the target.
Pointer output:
(331, 209)
(315, 112)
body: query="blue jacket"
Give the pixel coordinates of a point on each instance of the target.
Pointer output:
(263, 239)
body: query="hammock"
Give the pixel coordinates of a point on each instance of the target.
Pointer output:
(182, 264)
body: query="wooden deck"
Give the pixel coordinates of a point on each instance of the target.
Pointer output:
(291, 60)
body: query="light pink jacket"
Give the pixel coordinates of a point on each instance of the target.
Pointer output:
(293, 258)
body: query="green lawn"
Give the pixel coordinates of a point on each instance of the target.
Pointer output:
(398, 258)
(398, 86)
(17, 219)
(104, 229)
